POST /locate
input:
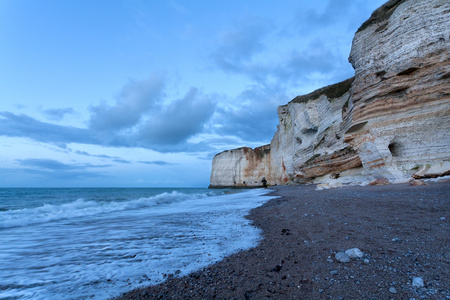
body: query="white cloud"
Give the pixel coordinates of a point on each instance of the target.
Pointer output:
(135, 99)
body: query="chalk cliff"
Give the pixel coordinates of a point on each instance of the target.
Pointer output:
(391, 120)
(241, 167)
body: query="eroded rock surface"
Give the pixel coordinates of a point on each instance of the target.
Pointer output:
(401, 91)
(391, 120)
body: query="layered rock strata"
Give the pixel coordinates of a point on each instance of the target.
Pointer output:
(243, 167)
(401, 92)
(391, 120)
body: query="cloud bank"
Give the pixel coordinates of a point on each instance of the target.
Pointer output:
(277, 60)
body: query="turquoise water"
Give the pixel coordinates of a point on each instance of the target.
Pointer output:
(97, 243)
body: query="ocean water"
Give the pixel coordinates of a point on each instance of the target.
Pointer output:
(97, 243)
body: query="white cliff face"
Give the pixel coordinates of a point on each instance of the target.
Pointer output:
(308, 143)
(243, 167)
(310, 129)
(393, 122)
(410, 30)
(401, 89)
(282, 149)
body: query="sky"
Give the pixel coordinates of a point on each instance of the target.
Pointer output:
(144, 93)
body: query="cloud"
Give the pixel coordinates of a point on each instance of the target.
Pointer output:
(49, 172)
(279, 66)
(158, 163)
(335, 17)
(124, 161)
(333, 12)
(313, 51)
(48, 164)
(174, 123)
(302, 66)
(166, 127)
(113, 158)
(251, 48)
(135, 99)
(121, 160)
(24, 126)
(58, 114)
(254, 118)
(50, 178)
(88, 154)
(54, 165)
(237, 46)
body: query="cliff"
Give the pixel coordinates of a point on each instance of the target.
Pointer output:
(241, 167)
(391, 120)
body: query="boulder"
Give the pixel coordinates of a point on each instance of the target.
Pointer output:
(415, 182)
(433, 171)
(342, 257)
(354, 253)
(380, 181)
(417, 282)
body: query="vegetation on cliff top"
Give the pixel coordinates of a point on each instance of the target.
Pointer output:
(381, 14)
(332, 91)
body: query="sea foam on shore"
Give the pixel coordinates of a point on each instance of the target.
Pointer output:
(78, 243)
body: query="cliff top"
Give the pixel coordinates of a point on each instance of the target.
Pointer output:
(383, 13)
(332, 91)
(264, 148)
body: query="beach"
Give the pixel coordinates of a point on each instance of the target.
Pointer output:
(402, 230)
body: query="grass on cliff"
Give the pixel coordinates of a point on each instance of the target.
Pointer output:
(383, 13)
(332, 91)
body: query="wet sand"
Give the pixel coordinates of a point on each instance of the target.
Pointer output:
(403, 231)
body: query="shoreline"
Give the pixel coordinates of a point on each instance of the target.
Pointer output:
(403, 231)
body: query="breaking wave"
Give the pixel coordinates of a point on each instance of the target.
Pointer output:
(84, 208)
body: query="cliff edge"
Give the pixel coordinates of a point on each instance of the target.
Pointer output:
(391, 120)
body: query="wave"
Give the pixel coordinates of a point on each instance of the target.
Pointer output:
(82, 208)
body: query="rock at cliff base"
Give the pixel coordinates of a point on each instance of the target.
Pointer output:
(327, 186)
(334, 185)
(433, 171)
(322, 186)
(416, 182)
(380, 181)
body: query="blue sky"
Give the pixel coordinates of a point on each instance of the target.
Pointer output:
(143, 93)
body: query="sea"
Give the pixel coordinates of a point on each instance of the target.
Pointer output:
(96, 243)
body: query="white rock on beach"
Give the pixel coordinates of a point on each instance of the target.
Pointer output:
(334, 272)
(417, 282)
(334, 185)
(322, 186)
(342, 257)
(393, 290)
(354, 253)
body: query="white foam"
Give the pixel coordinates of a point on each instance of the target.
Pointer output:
(83, 208)
(115, 246)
